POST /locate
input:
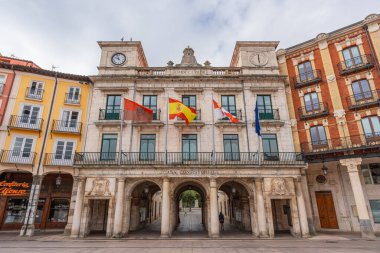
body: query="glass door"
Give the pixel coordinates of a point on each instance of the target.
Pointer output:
(231, 147)
(189, 147)
(264, 104)
(147, 147)
(270, 147)
(150, 101)
(108, 151)
(113, 107)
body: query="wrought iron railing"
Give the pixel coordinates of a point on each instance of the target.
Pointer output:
(64, 126)
(237, 114)
(363, 99)
(111, 114)
(72, 99)
(307, 78)
(357, 142)
(36, 93)
(188, 158)
(59, 159)
(25, 122)
(17, 156)
(313, 111)
(271, 114)
(355, 64)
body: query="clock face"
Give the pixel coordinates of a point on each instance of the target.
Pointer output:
(259, 59)
(118, 59)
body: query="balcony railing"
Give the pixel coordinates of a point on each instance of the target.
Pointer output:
(313, 111)
(17, 156)
(72, 99)
(25, 122)
(365, 99)
(191, 158)
(36, 94)
(199, 116)
(237, 114)
(355, 64)
(114, 114)
(64, 126)
(307, 78)
(59, 159)
(357, 142)
(272, 114)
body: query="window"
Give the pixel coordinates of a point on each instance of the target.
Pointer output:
(147, 147)
(16, 210)
(371, 173)
(64, 150)
(375, 208)
(361, 90)
(108, 149)
(270, 147)
(59, 210)
(231, 147)
(150, 101)
(189, 147)
(371, 127)
(73, 95)
(352, 57)
(113, 107)
(264, 106)
(69, 120)
(22, 147)
(30, 115)
(229, 103)
(190, 101)
(35, 90)
(305, 71)
(2, 82)
(318, 136)
(311, 102)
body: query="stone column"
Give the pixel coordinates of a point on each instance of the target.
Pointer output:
(360, 201)
(214, 208)
(165, 218)
(261, 215)
(72, 207)
(28, 227)
(301, 208)
(78, 207)
(119, 208)
(306, 196)
(127, 214)
(255, 229)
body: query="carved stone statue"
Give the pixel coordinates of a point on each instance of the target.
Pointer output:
(100, 187)
(188, 59)
(279, 186)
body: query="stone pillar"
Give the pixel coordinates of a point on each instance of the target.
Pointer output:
(127, 215)
(214, 209)
(261, 215)
(306, 196)
(28, 227)
(360, 201)
(72, 207)
(165, 218)
(301, 208)
(78, 207)
(255, 229)
(119, 208)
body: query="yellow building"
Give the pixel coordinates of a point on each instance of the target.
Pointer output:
(43, 127)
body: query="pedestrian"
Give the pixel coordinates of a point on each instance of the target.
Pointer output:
(221, 221)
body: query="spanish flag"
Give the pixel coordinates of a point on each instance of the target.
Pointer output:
(177, 109)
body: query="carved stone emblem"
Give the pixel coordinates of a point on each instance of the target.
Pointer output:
(100, 187)
(279, 186)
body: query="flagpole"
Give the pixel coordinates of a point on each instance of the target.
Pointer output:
(213, 129)
(259, 149)
(166, 131)
(121, 127)
(131, 136)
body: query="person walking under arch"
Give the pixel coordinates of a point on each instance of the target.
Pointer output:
(221, 221)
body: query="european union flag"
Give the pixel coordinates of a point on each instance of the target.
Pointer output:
(257, 121)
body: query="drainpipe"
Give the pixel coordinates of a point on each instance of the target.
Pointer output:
(23, 232)
(365, 27)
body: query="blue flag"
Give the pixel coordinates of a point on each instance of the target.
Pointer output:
(257, 121)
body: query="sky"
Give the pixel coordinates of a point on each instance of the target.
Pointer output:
(65, 33)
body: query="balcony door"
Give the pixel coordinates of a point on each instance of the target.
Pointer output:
(150, 101)
(108, 150)
(189, 147)
(190, 101)
(64, 152)
(264, 106)
(147, 147)
(30, 116)
(231, 147)
(73, 95)
(229, 103)
(270, 147)
(371, 127)
(311, 102)
(318, 136)
(113, 107)
(361, 90)
(21, 150)
(69, 120)
(35, 90)
(305, 71)
(352, 57)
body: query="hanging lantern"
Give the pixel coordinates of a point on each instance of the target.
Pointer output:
(58, 180)
(146, 189)
(324, 169)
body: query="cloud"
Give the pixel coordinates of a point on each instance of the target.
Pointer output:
(64, 33)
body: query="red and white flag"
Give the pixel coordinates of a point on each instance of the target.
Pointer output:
(220, 113)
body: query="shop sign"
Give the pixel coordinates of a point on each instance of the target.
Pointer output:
(14, 188)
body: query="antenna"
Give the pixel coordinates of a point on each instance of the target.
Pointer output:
(54, 67)
(122, 38)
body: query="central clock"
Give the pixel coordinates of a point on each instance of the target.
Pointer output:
(118, 59)
(259, 59)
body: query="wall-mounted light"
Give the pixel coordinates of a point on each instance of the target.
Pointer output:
(146, 189)
(324, 169)
(58, 180)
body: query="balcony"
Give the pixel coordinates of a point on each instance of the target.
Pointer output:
(58, 159)
(355, 64)
(72, 99)
(358, 144)
(25, 122)
(314, 111)
(364, 100)
(197, 122)
(63, 126)
(109, 114)
(35, 94)
(17, 157)
(308, 78)
(156, 122)
(194, 158)
(270, 117)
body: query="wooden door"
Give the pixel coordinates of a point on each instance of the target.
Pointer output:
(326, 210)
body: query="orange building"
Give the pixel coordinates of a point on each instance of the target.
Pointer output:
(334, 91)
